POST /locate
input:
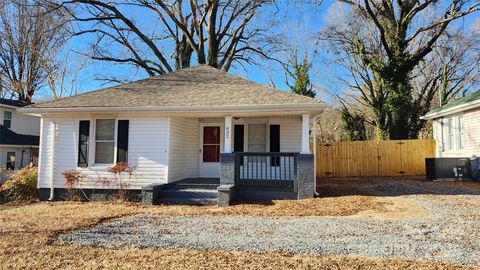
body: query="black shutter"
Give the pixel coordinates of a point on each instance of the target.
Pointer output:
(275, 143)
(122, 141)
(84, 134)
(238, 138)
(238, 145)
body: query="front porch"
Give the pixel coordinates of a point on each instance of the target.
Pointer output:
(243, 158)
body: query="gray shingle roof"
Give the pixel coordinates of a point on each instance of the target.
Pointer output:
(197, 86)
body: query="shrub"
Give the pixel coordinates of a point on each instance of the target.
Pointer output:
(118, 181)
(73, 179)
(22, 185)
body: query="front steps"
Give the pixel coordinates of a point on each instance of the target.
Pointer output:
(190, 193)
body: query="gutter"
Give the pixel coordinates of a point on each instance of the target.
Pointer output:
(459, 108)
(315, 119)
(52, 179)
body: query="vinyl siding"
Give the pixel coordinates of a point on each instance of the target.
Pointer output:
(18, 156)
(471, 138)
(290, 131)
(45, 152)
(184, 145)
(22, 123)
(147, 152)
(163, 149)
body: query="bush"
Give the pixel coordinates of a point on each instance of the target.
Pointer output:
(22, 185)
(73, 179)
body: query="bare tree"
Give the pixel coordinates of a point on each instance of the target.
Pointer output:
(27, 33)
(213, 32)
(384, 47)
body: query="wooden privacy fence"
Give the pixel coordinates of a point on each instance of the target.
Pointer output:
(373, 158)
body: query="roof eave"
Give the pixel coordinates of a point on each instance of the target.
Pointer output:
(455, 109)
(226, 109)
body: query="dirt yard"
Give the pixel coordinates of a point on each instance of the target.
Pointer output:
(29, 231)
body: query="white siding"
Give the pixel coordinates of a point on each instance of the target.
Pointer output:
(46, 149)
(290, 131)
(184, 145)
(471, 138)
(22, 123)
(18, 156)
(147, 151)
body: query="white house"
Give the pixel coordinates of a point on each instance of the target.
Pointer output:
(19, 135)
(456, 127)
(174, 127)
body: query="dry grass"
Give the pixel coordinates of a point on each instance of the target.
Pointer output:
(26, 231)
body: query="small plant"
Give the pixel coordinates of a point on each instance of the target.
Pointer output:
(22, 185)
(118, 181)
(73, 180)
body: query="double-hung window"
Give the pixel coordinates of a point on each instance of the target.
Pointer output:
(104, 141)
(7, 119)
(461, 133)
(257, 138)
(450, 130)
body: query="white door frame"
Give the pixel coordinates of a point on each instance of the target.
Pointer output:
(209, 169)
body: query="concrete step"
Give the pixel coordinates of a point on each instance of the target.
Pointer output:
(189, 201)
(190, 186)
(194, 193)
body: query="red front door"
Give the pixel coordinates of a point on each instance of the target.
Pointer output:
(211, 141)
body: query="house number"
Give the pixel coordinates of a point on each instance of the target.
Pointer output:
(227, 132)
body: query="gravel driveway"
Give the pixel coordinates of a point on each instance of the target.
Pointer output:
(451, 234)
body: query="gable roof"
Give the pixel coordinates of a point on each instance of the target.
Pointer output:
(13, 103)
(200, 86)
(8, 137)
(468, 102)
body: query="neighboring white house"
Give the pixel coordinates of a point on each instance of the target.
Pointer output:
(456, 127)
(19, 135)
(172, 127)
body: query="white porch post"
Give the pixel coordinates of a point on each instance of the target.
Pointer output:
(227, 143)
(305, 134)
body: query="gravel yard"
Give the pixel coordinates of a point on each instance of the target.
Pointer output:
(445, 228)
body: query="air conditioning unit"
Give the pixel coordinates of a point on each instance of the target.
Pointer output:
(453, 168)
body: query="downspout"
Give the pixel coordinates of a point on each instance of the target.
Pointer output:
(52, 179)
(315, 119)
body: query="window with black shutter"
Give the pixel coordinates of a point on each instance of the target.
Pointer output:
(122, 141)
(84, 134)
(275, 143)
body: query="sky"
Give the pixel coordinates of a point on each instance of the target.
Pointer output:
(300, 23)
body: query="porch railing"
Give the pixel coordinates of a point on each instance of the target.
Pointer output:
(274, 169)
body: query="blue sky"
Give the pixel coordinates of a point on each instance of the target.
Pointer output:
(298, 22)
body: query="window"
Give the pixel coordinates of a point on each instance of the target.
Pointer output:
(7, 119)
(450, 134)
(257, 138)
(10, 161)
(461, 133)
(104, 141)
(211, 144)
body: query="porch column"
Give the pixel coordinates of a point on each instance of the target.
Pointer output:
(305, 134)
(227, 144)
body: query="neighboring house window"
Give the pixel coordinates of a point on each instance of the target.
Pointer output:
(7, 119)
(10, 161)
(461, 133)
(104, 141)
(450, 133)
